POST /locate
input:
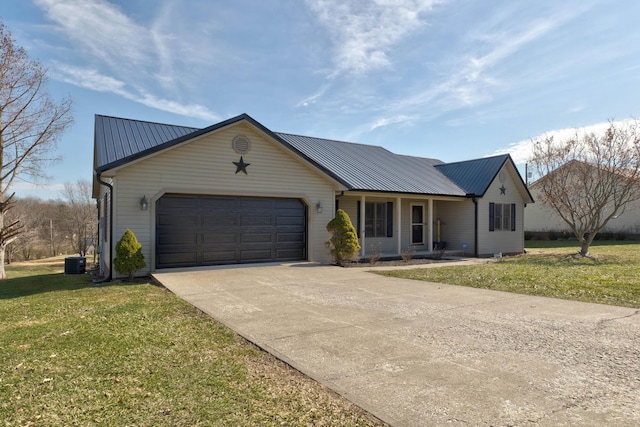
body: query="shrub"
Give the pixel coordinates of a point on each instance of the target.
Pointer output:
(407, 255)
(343, 243)
(129, 257)
(376, 254)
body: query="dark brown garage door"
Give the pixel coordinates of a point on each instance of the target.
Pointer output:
(209, 230)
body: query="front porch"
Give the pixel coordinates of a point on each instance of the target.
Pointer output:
(390, 226)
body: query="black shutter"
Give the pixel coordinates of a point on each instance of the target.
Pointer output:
(389, 219)
(492, 216)
(358, 219)
(337, 205)
(513, 217)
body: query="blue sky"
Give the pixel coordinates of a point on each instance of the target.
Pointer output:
(453, 80)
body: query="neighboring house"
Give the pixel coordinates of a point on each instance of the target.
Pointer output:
(542, 218)
(236, 192)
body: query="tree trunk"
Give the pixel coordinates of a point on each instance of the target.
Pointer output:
(3, 275)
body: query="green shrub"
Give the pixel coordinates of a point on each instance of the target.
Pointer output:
(343, 243)
(129, 257)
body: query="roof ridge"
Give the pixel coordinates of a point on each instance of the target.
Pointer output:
(145, 121)
(476, 159)
(333, 140)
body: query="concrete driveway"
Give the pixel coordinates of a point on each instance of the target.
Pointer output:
(424, 354)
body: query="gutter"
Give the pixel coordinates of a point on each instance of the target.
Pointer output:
(110, 187)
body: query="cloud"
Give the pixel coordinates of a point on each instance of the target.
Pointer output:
(119, 55)
(521, 151)
(471, 79)
(362, 33)
(90, 78)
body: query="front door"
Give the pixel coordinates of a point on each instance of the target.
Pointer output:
(417, 224)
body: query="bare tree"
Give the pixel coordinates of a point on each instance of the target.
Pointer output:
(80, 219)
(590, 178)
(30, 125)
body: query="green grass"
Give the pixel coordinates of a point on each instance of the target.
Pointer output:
(72, 353)
(608, 276)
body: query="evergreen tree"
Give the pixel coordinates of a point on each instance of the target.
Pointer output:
(129, 257)
(343, 243)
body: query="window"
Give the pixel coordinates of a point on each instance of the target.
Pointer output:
(378, 219)
(502, 216)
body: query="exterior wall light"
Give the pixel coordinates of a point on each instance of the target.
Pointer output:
(319, 207)
(144, 204)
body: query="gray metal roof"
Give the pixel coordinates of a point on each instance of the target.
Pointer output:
(474, 176)
(373, 168)
(118, 140)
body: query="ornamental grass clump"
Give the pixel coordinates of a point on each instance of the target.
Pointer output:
(343, 243)
(129, 257)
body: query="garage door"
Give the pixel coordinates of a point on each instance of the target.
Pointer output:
(196, 230)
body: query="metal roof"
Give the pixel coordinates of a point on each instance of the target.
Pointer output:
(373, 168)
(474, 176)
(117, 139)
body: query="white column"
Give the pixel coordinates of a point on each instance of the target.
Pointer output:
(362, 236)
(430, 224)
(399, 222)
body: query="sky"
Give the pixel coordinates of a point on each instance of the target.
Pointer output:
(447, 79)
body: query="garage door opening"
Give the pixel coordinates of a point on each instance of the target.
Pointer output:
(199, 230)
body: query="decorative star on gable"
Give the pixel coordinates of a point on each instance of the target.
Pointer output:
(241, 166)
(503, 190)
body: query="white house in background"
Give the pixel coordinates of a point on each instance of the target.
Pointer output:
(541, 218)
(236, 192)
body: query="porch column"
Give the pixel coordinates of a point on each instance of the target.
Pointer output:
(430, 222)
(362, 237)
(399, 221)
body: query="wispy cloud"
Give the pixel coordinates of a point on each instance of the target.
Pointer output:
(472, 78)
(362, 33)
(118, 54)
(90, 78)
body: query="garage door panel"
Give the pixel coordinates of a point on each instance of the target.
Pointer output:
(223, 220)
(196, 230)
(182, 218)
(257, 238)
(177, 259)
(223, 238)
(290, 237)
(218, 257)
(177, 239)
(256, 220)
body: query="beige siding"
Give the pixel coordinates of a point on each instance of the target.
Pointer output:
(457, 225)
(501, 241)
(539, 217)
(204, 166)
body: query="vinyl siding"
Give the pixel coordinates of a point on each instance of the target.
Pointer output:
(503, 241)
(205, 166)
(457, 225)
(539, 217)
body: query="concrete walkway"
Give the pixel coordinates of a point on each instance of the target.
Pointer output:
(423, 354)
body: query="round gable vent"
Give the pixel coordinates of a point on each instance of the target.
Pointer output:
(241, 144)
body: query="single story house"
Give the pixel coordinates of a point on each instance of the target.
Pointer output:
(541, 218)
(236, 192)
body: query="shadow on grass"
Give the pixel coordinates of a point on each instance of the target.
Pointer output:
(52, 282)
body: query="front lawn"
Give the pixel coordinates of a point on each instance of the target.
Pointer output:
(72, 353)
(609, 276)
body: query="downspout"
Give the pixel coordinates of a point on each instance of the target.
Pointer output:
(475, 224)
(110, 187)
